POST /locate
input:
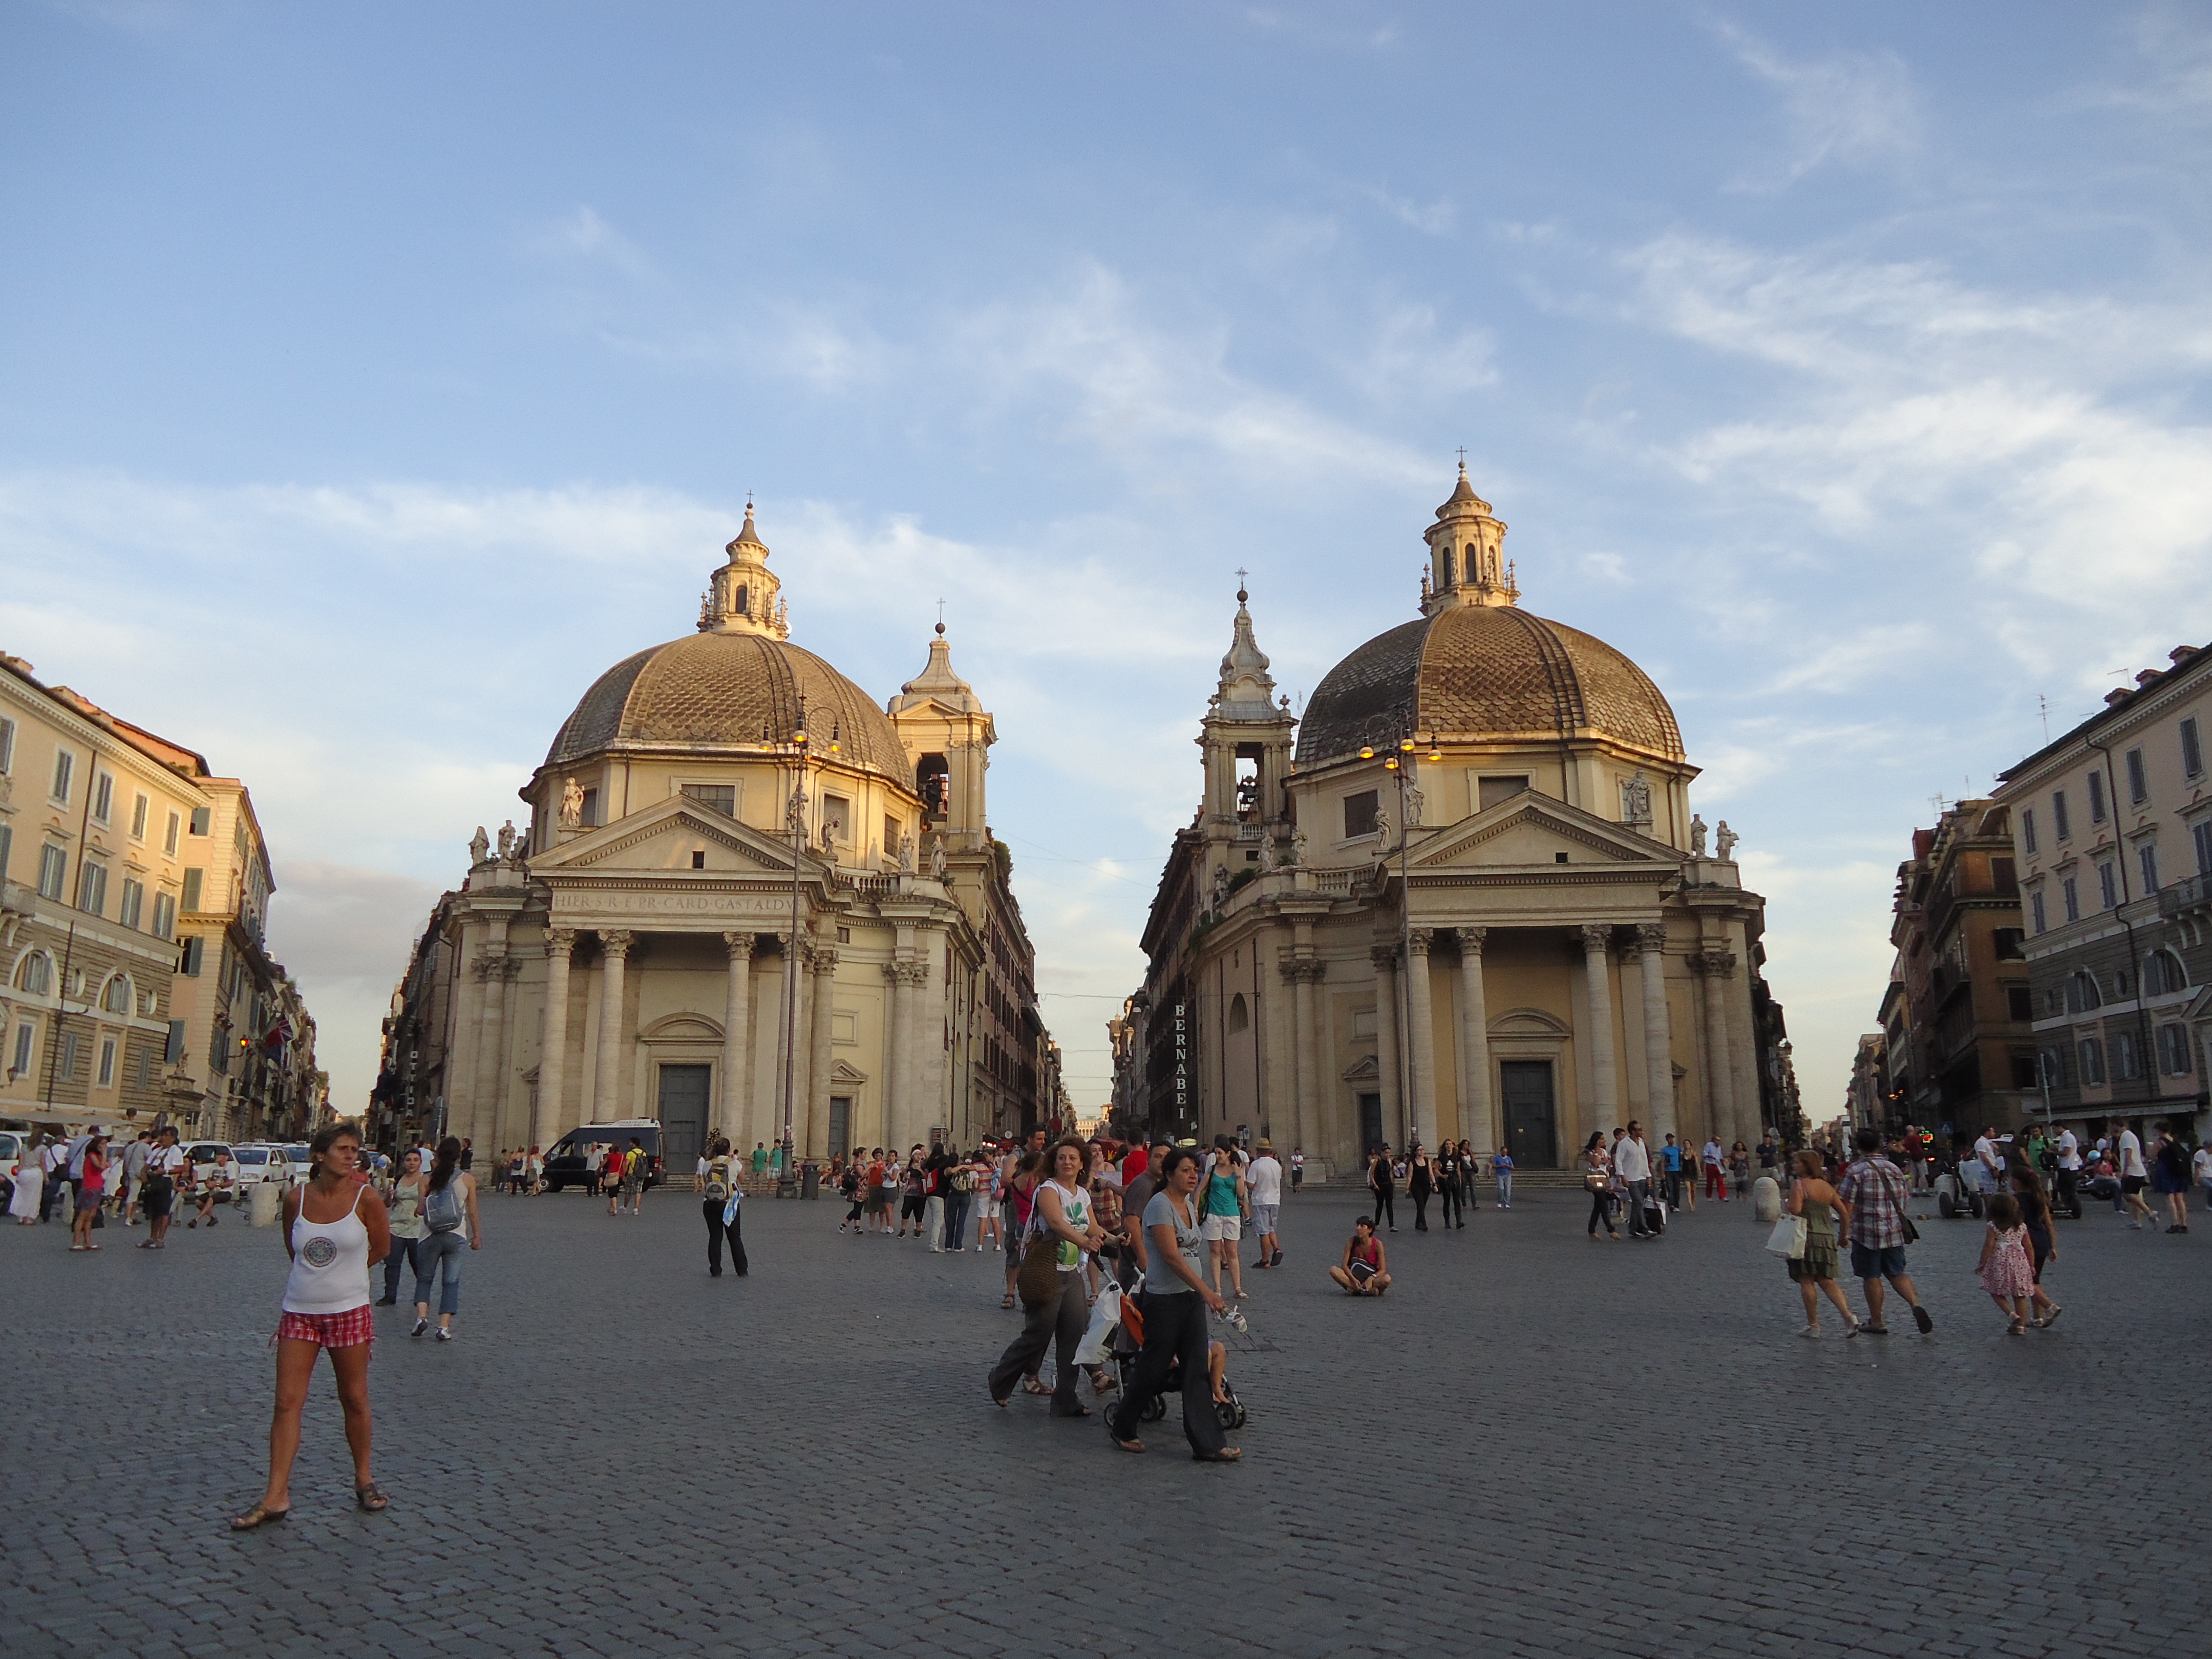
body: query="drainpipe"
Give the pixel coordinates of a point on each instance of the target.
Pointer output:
(2146, 1058)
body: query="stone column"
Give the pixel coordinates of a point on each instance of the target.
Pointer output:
(1421, 1047)
(1605, 1083)
(898, 1054)
(553, 1062)
(1385, 957)
(1658, 1040)
(1300, 976)
(1477, 1120)
(791, 1045)
(817, 1081)
(1714, 969)
(737, 1023)
(927, 1086)
(490, 972)
(606, 1079)
(1743, 1057)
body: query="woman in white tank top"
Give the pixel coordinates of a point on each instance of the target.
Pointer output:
(334, 1228)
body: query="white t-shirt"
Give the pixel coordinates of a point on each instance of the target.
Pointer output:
(1986, 1150)
(2131, 1162)
(2069, 1151)
(1631, 1160)
(168, 1158)
(1298, 1160)
(1264, 1178)
(1712, 1152)
(2201, 1166)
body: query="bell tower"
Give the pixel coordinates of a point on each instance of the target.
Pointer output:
(947, 734)
(1466, 555)
(1246, 740)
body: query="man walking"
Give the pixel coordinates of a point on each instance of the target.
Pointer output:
(1670, 1165)
(134, 1175)
(167, 1168)
(1631, 1162)
(1875, 1189)
(1264, 1178)
(1715, 1161)
(2128, 1164)
(2070, 1170)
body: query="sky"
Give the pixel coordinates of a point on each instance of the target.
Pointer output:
(371, 379)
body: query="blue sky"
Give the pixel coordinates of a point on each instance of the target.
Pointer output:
(372, 378)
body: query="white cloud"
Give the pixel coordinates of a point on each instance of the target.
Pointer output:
(1853, 107)
(581, 234)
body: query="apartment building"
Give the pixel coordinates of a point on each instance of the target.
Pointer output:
(2112, 831)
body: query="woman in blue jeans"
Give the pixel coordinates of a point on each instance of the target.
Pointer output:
(449, 1212)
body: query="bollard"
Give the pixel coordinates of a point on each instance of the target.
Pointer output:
(1766, 1200)
(264, 1203)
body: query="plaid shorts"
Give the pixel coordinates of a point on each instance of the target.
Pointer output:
(352, 1329)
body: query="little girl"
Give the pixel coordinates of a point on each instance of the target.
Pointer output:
(2004, 1269)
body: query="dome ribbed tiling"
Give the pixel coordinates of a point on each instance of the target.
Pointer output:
(1472, 673)
(717, 691)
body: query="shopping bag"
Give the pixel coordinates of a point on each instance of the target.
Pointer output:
(1788, 1238)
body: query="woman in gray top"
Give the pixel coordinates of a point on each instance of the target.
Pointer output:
(1175, 1306)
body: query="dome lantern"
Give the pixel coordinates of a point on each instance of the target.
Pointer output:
(1466, 553)
(742, 597)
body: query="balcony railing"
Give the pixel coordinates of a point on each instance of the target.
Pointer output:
(2194, 893)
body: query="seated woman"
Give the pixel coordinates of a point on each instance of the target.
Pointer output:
(1364, 1271)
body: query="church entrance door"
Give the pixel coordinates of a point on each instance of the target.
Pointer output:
(683, 1095)
(1531, 1131)
(1371, 1124)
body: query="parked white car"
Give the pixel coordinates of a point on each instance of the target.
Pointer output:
(255, 1163)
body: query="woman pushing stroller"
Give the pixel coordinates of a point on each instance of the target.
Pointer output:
(1176, 1299)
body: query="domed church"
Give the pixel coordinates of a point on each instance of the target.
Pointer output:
(1464, 896)
(743, 887)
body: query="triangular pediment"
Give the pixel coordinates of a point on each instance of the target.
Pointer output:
(1365, 1069)
(662, 837)
(845, 1072)
(1533, 829)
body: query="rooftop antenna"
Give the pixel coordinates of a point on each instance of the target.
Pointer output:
(2043, 707)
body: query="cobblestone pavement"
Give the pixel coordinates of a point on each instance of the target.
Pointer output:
(1535, 1445)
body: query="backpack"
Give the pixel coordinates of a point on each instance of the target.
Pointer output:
(445, 1209)
(718, 1178)
(963, 1179)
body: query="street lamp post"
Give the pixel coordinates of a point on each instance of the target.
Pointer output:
(1399, 765)
(794, 819)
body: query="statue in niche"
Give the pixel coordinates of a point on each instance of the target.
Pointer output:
(1725, 841)
(1636, 798)
(937, 860)
(1382, 831)
(507, 839)
(479, 847)
(1298, 845)
(1266, 855)
(1416, 803)
(1696, 836)
(572, 805)
(906, 852)
(1220, 885)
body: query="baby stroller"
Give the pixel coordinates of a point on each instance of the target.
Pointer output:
(1128, 1343)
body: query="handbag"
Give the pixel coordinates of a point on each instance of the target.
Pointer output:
(1036, 1281)
(1912, 1232)
(1788, 1238)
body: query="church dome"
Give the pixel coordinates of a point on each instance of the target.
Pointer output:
(1476, 672)
(721, 691)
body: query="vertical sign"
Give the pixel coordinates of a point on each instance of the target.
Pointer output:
(1181, 1061)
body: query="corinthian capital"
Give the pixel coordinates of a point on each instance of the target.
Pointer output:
(616, 941)
(1651, 936)
(1418, 939)
(741, 946)
(1384, 956)
(560, 941)
(1471, 940)
(1598, 936)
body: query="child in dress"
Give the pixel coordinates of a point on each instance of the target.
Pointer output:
(2004, 1269)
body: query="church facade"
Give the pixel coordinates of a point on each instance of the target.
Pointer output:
(1464, 896)
(746, 899)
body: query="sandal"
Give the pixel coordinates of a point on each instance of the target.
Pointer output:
(1030, 1385)
(370, 1496)
(1008, 1302)
(1227, 1455)
(259, 1516)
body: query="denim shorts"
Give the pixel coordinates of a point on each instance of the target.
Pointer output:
(1868, 1262)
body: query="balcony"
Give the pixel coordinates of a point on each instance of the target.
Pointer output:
(2180, 897)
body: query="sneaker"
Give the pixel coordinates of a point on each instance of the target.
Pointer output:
(421, 1326)
(444, 1332)
(1812, 1331)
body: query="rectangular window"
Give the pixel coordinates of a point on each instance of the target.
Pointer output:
(2138, 780)
(2023, 1072)
(202, 819)
(2108, 886)
(65, 769)
(169, 840)
(107, 1063)
(2173, 1050)
(2096, 780)
(193, 955)
(2035, 910)
(2018, 1004)
(134, 904)
(172, 1051)
(591, 814)
(53, 871)
(195, 886)
(27, 1043)
(1492, 791)
(2007, 942)
(139, 810)
(1360, 811)
(144, 1075)
(837, 812)
(7, 746)
(2072, 897)
(2147, 857)
(92, 887)
(891, 837)
(2027, 830)
(2092, 1062)
(2060, 825)
(2127, 1065)
(71, 1044)
(219, 1050)
(165, 915)
(2192, 751)
(103, 795)
(7, 839)
(722, 797)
